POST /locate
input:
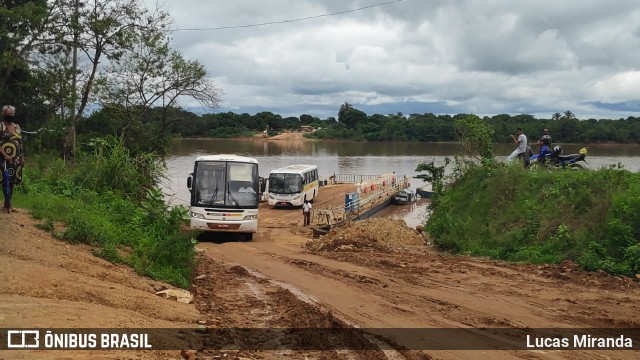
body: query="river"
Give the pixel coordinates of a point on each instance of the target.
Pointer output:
(345, 157)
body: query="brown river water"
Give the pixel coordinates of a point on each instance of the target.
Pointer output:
(344, 157)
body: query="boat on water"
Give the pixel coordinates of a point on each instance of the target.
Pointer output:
(404, 197)
(425, 191)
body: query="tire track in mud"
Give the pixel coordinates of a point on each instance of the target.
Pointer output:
(388, 286)
(585, 304)
(418, 288)
(557, 292)
(230, 296)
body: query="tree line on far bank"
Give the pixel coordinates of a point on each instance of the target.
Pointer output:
(354, 124)
(151, 133)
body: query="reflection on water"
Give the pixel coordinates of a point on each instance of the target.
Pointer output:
(413, 214)
(316, 148)
(354, 158)
(346, 163)
(261, 147)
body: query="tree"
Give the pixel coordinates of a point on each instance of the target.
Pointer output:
(272, 121)
(291, 122)
(353, 118)
(152, 75)
(476, 136)
(21, 30)
(344, 110)
(103, 31)
(556, 116)
(306, 119)
(397, 116)
(568, 115)
(435, 175)
(350, 116)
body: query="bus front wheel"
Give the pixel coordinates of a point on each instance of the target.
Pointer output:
(247, 237)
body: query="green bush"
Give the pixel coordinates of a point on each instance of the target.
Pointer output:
(109, 199)
(542, 216)
(111, 166)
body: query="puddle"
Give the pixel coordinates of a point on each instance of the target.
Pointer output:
(413, 215)
(299, 294)
(294, 290)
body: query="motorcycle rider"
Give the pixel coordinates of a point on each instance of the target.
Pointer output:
(521, 147)
(545, 140)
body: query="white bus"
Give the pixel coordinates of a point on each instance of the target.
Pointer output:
(224, 194)
(292, 185)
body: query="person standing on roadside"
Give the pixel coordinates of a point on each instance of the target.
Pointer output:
(521, 147)
(306, 212)
(11, 154)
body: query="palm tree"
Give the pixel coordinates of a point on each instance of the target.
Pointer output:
(556, 116)
(568, 115)
(344, 110)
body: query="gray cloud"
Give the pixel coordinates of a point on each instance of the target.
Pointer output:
(450, 56)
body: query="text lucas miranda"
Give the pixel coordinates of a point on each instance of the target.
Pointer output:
(580, 342)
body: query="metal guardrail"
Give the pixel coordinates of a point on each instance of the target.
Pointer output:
(373, 199)
(351, 178)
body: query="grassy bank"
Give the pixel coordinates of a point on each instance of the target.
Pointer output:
(107, 199)
(540, 216)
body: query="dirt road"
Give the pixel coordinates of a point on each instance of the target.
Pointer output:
(288, 136)
(418, 288)
(275, 281)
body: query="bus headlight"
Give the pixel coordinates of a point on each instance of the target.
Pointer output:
(297, 197)
(251, 217)
(197, 216)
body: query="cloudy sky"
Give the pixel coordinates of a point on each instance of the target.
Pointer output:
(416, 56)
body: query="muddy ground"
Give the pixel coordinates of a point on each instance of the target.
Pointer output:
(277, 281)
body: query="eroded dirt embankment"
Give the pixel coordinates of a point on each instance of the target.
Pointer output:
(48, 283)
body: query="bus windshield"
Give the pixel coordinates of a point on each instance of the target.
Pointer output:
(285, 183)
(225, 183)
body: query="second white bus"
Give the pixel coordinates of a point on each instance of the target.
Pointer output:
(292, 185)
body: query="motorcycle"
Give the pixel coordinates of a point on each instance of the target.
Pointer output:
(540, 158)
(555, 158)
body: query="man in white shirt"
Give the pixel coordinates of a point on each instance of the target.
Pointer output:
(306, 212)
(521, 147)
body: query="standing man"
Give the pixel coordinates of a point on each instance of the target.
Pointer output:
(306, 212)
(521, 146)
